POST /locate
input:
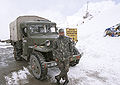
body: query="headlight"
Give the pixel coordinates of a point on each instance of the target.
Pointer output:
(47, 43)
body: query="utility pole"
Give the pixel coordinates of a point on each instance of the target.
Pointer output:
(87, 6)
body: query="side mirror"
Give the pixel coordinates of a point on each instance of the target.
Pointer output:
(25, 30)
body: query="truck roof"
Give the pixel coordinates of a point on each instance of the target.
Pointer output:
(21, 19)
(38, 22)
(36, 18)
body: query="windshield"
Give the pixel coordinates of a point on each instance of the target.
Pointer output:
(36, 29)
(51, 29)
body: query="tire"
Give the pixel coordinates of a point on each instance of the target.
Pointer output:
(38, 70)
(77, 61)
(75, 52)
(74, 63)
(17, 54)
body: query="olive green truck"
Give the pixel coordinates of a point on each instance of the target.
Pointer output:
(32, 37)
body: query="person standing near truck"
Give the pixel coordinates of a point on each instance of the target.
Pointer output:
(62, 52)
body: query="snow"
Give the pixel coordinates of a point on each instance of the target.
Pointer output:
(100, 63)
(6, 53)
(4, 45)
(18, 78)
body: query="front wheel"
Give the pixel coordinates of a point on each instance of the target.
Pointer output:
(38, 71)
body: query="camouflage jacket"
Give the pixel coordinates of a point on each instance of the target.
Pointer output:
(62, 48)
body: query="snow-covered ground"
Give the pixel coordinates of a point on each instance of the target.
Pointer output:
(100, 63)
(5, 45)
(18, 78)
(6, 52)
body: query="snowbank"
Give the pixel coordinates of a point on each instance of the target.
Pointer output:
(5, 45)
(18, 78)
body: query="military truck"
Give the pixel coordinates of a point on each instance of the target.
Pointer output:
(32, 37)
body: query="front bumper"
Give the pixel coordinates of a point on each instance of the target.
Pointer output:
(54, 64)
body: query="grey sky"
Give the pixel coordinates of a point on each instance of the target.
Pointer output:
(66, 7)
(10, 9)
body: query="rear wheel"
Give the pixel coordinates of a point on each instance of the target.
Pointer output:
(17, 54)
(37, 68)
(75, 52)
(74, 63)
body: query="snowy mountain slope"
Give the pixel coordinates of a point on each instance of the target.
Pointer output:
(105, 13)
(100, 62)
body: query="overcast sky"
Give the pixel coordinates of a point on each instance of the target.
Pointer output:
(66, 7)
(11, 9)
